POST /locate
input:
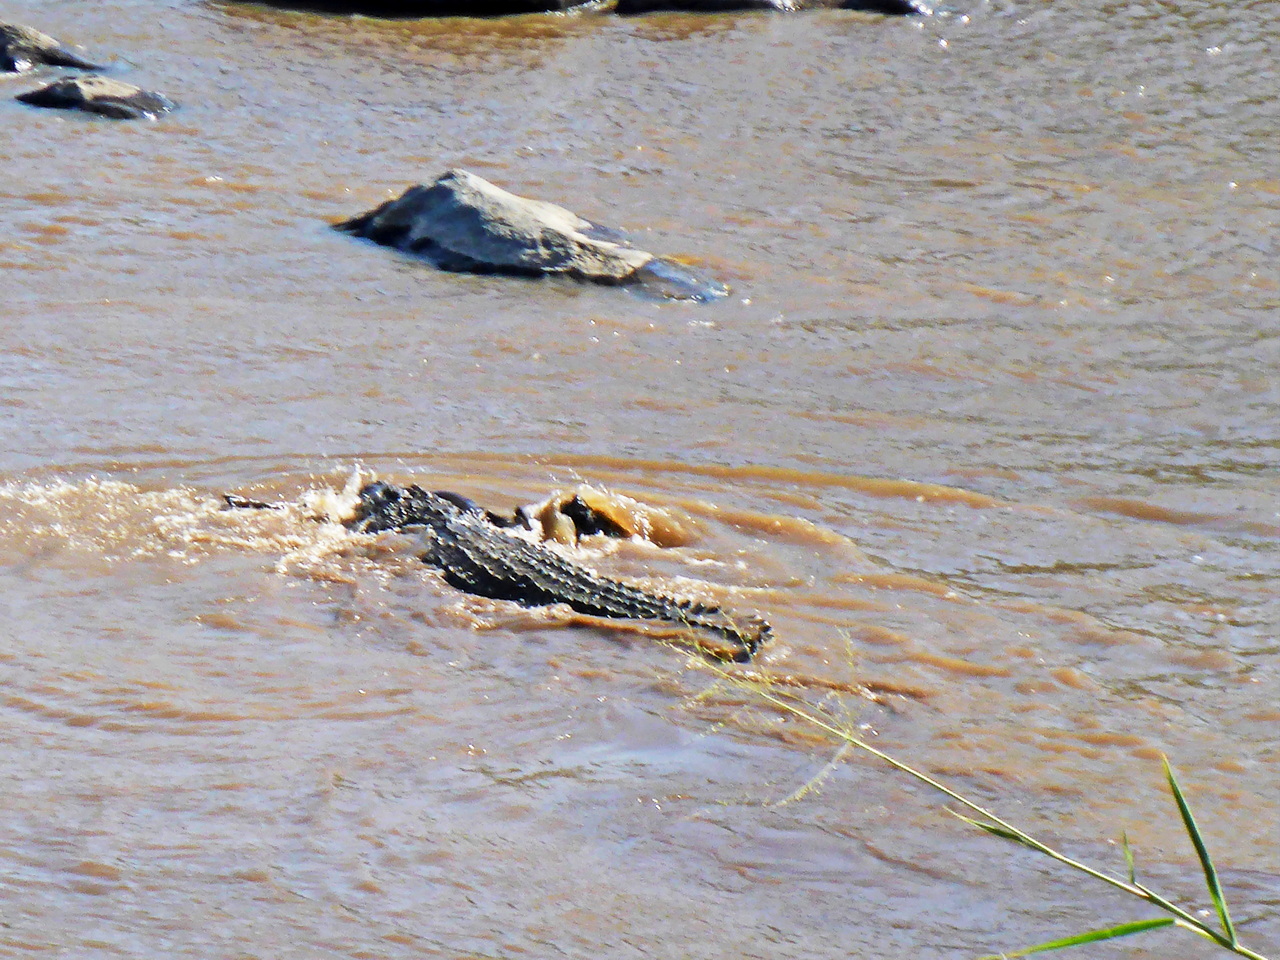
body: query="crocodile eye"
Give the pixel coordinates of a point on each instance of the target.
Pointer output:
(380, 493)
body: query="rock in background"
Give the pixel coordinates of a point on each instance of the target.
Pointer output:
(111, 98)
(463, 222)
(22, 48)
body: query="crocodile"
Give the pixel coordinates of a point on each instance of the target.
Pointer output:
(477, 555)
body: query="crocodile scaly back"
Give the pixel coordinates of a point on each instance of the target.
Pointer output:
(478, 557)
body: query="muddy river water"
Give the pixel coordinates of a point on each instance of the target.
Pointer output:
(987, 430)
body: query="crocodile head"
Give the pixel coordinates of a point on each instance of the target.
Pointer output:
(384, 506)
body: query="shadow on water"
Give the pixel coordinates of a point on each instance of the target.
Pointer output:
(380, 33)
(492, 23)
(484, 27)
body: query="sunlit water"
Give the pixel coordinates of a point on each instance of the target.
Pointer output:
(987, 430)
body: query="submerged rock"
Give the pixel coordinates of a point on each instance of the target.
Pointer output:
(22, 48)
(111, 98)
(463, 222)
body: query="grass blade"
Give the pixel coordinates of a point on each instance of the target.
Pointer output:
(989, 827)
(1093, 936)
(1128, 858)
(1206, 864)
(821, 719)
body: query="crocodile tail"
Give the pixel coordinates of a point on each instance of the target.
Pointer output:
(755, 635)
(750, 635)
(747, 634)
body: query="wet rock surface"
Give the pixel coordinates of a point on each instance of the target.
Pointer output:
(463, 222)
(22, 49)
(102, 95)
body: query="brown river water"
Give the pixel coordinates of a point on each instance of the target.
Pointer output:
(987, 430)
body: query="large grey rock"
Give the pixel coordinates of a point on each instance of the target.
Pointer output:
(463, 222)
(22, 48)
(111, 98)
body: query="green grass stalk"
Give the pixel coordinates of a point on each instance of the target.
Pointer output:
(995, 825)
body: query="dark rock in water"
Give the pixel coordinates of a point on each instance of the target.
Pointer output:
(627, 7)
(111, 98)
(895, 7)
(431, 8)
(463, 222)
(22, 48)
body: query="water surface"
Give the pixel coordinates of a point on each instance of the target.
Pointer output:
(986, 429)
